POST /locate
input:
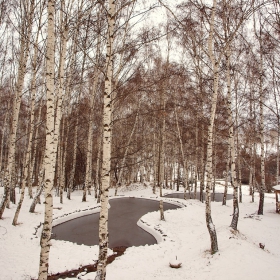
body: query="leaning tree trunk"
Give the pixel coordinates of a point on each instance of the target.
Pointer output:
(106, 163)
(51, 149)
(185, 171)
(209, 167)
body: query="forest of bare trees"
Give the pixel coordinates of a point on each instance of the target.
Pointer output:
(100, 94)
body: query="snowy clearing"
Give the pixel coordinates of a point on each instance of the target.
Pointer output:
(187, 241)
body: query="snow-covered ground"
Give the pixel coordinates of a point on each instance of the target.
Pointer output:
(187, 240)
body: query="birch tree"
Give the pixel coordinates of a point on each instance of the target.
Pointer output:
(261, 105)
(106, 159)
(51, 148)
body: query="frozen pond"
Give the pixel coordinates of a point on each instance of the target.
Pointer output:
(123, 230)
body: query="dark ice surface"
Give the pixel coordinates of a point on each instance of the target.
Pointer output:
(123, 230)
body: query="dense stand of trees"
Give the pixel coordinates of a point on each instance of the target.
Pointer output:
(96, 95)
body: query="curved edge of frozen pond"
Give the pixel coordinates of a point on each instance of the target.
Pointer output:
(152, 229)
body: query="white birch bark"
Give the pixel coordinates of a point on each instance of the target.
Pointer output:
(232, 147)
(261, 103)
(51, 149)
(209, 167)
(106, 163)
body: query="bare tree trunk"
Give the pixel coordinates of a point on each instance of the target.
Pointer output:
(127, 148)
(27, 164)
(23, 56)
(202, 172)
(209, 167)
(63, 163)
(185, 172)
(196, 158)
(235, 215)
(35, 157)
(214, 164)
(97, 187)
(3, 139)
(39, 191)
(72, 174)
(51, 149)
(154, 163)
(161, 210)
(226, 176)
(261, 134)
(106, 163)
(88, 179)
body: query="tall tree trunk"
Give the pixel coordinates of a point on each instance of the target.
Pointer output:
(88, 179)
(51, 149)
(202, 165)
(209, 167)
(97, 186)
(126, 150)
(72, 174)
(261, 134)
(185, 171)
(196, 158)
(35, 156)
(2, 157)
(234, 183)
(106, 162)
(63, 162)
(154, 162)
